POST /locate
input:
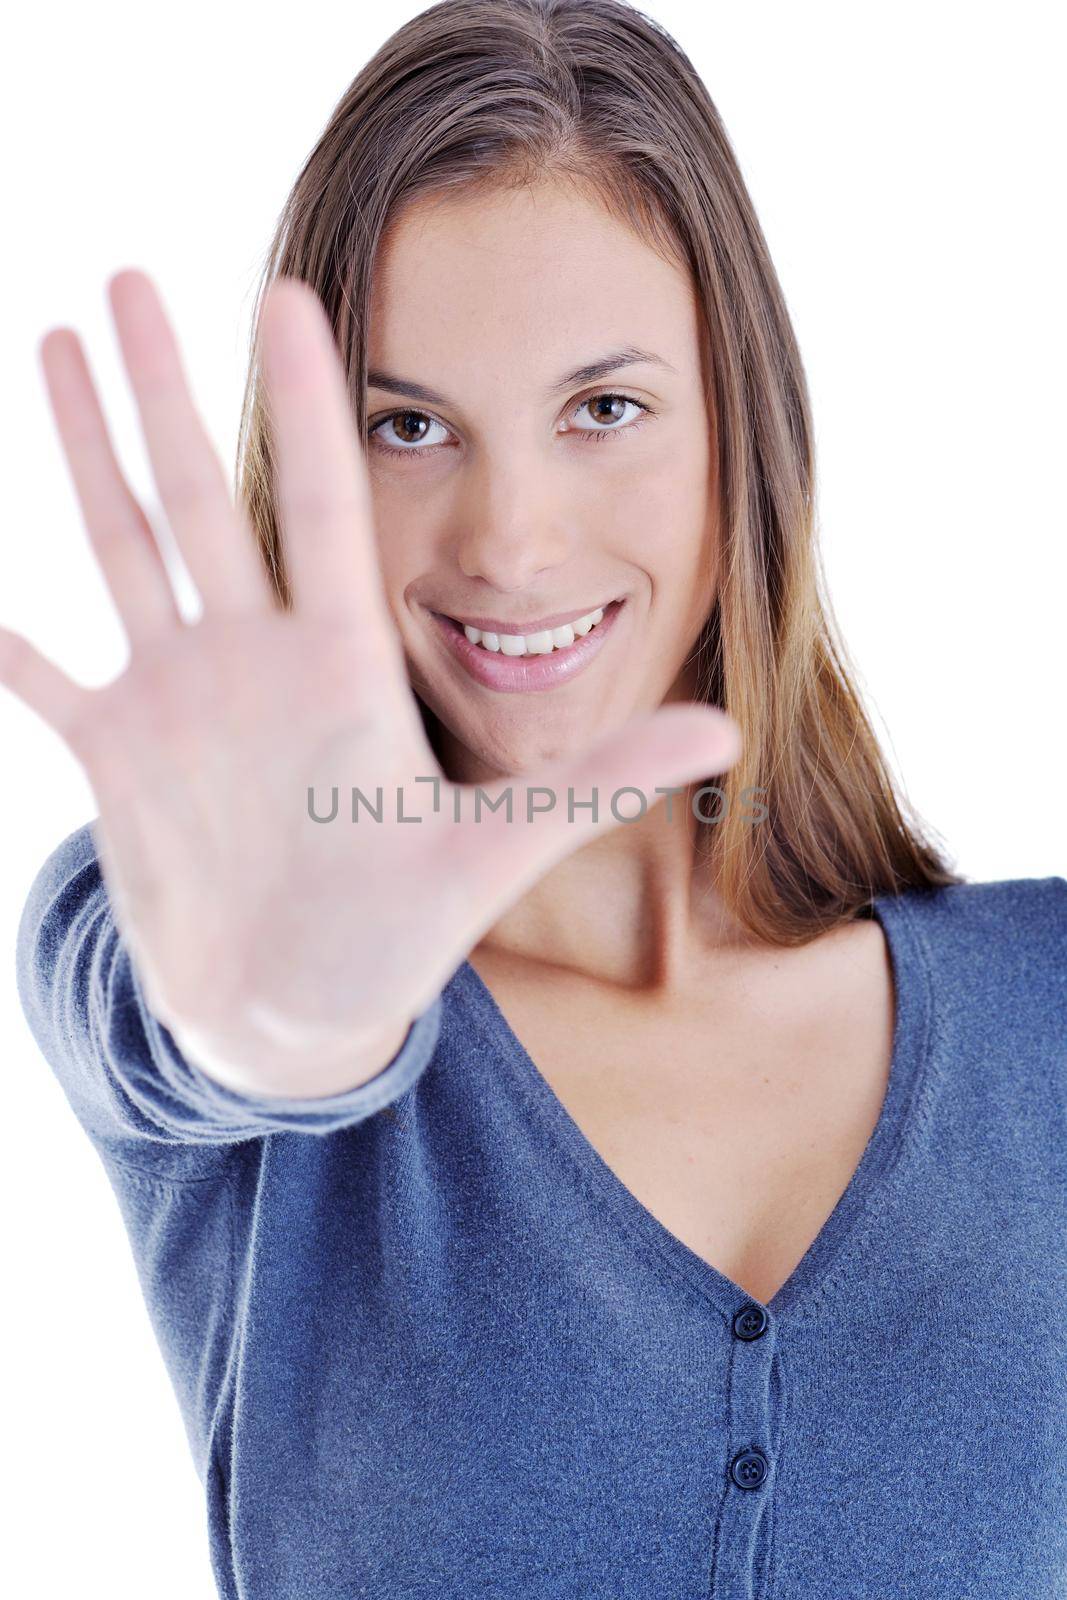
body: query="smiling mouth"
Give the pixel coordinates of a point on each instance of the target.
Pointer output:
(547, 641)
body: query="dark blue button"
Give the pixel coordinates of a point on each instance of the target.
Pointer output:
(749, 1468)
(750, 1322)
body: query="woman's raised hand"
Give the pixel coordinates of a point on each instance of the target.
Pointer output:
(288, 955)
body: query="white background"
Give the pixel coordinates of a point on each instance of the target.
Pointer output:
(906, 163)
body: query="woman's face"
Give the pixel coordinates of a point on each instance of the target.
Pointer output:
(511, 487)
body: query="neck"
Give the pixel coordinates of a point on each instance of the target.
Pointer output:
(634, 907)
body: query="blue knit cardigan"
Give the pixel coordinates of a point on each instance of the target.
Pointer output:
(426, 1343)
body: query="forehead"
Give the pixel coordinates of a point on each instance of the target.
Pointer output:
(539, 275)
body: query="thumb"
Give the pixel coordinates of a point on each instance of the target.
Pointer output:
(570, 800)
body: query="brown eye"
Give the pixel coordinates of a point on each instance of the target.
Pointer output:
(410, 426)
(615, 407)
(609, 413)
(404, 433)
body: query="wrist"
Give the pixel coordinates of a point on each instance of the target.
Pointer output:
(277, 1061)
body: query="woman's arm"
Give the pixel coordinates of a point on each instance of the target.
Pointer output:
(141, 1099)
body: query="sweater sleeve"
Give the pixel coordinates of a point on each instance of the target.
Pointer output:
(133, 1090)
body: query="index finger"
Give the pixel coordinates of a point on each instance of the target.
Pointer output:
(323, 488)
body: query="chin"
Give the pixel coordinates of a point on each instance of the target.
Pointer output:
(481, 758)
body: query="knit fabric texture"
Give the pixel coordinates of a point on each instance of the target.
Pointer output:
(426, 1344)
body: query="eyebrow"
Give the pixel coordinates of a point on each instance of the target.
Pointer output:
(587, 373)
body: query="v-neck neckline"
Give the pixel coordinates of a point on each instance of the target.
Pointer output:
(912, 1014)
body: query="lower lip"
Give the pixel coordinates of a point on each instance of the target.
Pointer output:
(517, 674)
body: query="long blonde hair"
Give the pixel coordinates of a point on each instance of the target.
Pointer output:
(488, 93)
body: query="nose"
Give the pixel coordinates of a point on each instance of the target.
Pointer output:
(512, 530)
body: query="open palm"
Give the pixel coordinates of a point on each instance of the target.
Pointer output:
(290, 954)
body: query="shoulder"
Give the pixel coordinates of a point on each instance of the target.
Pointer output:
(67, 885)
(71, 863)
(999, 943)
(1033, 909)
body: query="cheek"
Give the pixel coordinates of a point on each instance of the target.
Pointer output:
(663, 518)
(402, 538)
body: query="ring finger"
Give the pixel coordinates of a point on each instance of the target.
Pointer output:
(119, 532)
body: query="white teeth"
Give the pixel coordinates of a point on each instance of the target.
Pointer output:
(536, 644)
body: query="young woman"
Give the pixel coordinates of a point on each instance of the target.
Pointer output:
(577, 1136)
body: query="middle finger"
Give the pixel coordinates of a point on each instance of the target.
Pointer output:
(215, 542)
